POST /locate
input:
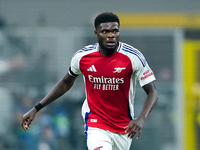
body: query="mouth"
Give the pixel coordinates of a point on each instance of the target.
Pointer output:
(110, 43)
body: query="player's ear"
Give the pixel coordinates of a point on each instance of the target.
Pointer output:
(95, 32)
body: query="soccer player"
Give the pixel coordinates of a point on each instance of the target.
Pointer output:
(110, 69)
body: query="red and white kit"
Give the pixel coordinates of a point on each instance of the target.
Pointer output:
(110, 83)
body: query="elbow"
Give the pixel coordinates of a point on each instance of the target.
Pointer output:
(155, 95)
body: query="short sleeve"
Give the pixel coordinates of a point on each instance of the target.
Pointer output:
(141, 70)
(144, 74)
(74, 69)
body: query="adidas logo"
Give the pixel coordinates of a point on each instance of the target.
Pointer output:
(92, 68)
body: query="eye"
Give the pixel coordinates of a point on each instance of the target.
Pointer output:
(115, 31)
(104, 31)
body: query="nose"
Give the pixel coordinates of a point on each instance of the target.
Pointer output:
(110, 35)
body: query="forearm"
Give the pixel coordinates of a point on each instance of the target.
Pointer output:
(136, 125)
(149, 104)
(150, 101)
(58, 90)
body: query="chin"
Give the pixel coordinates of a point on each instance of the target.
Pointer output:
(111, 47)
(110, 51)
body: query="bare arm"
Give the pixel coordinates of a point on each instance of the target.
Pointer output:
(152, 98)
(136, 125)
(58, 90)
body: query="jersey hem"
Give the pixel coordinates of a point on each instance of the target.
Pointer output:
(147, 82)
(111, 130)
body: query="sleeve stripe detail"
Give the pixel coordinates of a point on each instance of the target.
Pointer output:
(119, 48)
(71, 73)
(87, 48)
(135, 52)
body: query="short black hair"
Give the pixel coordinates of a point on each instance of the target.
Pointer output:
(106, 17)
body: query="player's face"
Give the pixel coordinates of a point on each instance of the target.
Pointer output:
(108, 36)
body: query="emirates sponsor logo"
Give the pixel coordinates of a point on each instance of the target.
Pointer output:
(102, 79)
(146, 75)
(102, 83)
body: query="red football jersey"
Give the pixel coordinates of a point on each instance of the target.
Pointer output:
(110, 84)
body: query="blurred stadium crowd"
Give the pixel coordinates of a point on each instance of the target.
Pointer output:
(23, 84)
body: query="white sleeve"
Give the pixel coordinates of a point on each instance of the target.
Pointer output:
(144, 73)
(74, 66)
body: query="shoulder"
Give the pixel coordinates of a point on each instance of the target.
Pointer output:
(133, 53)
(86, 50)
(130, 49)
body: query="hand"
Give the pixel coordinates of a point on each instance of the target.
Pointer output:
(28, 118)
(134, 126)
